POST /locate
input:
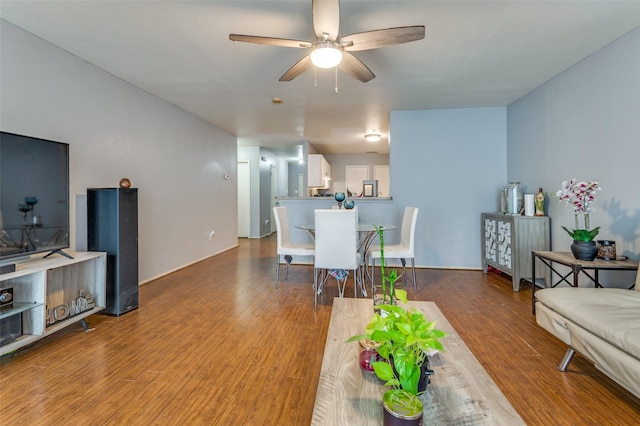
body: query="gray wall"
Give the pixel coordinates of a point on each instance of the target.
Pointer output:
(585, 123)
(115, 130)
(450, 164)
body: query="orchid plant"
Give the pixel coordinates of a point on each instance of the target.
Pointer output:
(580, 196)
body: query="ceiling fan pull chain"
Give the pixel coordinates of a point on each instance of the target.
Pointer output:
(336, 79)
(315, 77)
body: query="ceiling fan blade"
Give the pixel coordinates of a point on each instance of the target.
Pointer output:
(272, 41)
(355, 68)
(301, 66)
(382, 38)
(326, 18)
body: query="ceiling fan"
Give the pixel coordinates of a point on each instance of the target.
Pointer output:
(329, 49)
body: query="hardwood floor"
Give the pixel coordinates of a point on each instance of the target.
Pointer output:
(216, 343)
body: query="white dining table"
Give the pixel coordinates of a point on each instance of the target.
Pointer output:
(367, 233)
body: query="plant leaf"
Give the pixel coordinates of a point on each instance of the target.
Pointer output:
(401, 295)
(383, 370)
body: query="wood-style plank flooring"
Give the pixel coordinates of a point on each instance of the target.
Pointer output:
(216, 343)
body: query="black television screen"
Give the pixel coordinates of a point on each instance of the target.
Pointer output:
(34, 195)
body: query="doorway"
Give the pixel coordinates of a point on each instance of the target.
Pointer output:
(244, 199)
(274, 194)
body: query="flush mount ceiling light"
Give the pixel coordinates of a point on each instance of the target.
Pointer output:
(326, 55)
(372, 137)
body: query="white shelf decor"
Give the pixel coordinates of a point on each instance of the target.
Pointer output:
(53, 293)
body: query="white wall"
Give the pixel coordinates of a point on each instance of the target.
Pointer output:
(450, 164)
(585, 123)
(115, 130)
(340, 162)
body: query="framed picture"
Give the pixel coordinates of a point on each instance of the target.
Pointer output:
(370, 188)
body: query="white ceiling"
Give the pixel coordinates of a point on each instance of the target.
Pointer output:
(475, 54)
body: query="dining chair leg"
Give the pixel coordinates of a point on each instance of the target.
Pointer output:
(356, 281)
(277, 269)
(315, 289)
(361, 281)
(413, 268)
(373, 273)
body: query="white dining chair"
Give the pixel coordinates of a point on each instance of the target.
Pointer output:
(336, 248)
(403, 251)
(285, 247)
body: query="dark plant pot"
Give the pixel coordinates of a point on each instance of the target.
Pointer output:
(393, 419)
(584, 250)
(425, 372)
(399, 413)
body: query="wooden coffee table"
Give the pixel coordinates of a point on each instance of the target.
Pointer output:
(461, 391)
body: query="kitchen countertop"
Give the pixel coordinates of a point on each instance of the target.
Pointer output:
(323, 198)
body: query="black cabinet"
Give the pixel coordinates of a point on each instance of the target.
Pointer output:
(113, 228)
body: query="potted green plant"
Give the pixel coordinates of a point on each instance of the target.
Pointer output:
(580, 196)
(404, 339)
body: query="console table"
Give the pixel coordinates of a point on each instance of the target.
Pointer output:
(460, 392)
(507, 241)
(576, 267)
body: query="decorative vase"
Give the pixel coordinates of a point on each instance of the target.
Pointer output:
(584, 250)
(339, 196)
(514, 198)
(379, 299)
(368, 354)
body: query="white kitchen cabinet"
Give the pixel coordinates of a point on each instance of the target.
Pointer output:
(507, 243)
(50, 294)
(318, 171)
(381, 174)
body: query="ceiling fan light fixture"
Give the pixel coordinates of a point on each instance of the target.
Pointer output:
(326, 55)
(372, 137)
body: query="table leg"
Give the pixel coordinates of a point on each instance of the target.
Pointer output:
(576, 271)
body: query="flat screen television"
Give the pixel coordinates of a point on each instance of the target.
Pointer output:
(34, 196)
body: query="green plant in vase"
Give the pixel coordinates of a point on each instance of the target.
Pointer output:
(389, 293)
(404, 339)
